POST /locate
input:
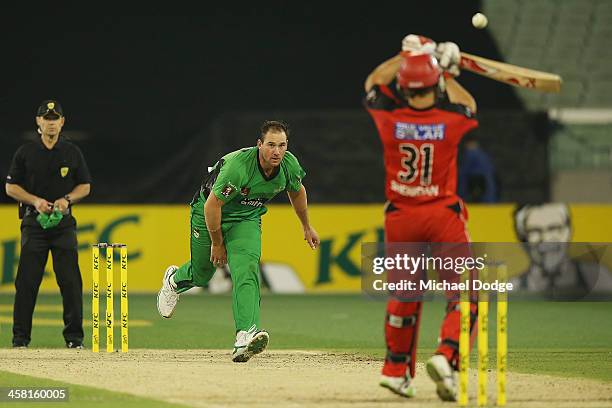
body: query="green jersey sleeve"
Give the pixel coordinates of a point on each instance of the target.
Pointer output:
(295, 172)
(227, 185)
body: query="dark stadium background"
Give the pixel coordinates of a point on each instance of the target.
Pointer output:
(153, 99)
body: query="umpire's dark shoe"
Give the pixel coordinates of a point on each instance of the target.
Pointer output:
(20, 344)
(74, 345)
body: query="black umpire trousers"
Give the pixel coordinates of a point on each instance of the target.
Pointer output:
(35, 245)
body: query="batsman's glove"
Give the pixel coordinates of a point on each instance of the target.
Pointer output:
(448, 56)
(418, 44)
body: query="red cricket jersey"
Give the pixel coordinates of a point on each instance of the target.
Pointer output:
(420, 147)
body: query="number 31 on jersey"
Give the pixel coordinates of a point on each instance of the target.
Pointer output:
(416, 161)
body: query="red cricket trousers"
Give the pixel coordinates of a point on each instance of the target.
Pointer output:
(430, 223)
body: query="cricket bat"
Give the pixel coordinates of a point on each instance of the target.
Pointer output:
(511, 74)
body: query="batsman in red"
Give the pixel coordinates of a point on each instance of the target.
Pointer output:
(421, 114)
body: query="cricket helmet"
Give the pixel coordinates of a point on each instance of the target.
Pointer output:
(418, 71)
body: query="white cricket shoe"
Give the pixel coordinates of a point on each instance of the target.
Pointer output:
(399, 385)
(444, 376)
(248, 343)
(167, 296)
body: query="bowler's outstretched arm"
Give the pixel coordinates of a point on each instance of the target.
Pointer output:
(299, 202)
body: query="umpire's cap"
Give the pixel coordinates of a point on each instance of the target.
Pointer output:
(50, 109)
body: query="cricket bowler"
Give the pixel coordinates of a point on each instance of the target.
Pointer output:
(226, 228)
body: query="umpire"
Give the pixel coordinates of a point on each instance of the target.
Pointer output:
(47, 177)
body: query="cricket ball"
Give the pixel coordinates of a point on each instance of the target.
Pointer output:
(479, 20)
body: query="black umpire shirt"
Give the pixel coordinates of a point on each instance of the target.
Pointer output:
(48, 173)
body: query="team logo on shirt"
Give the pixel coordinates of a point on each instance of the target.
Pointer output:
(63, 171)
(416, 131)
(245, 191)
(228, 190)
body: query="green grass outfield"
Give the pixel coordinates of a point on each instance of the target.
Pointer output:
(78, 395)
(565, 339)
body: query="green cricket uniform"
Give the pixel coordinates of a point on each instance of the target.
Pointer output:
(239, 181)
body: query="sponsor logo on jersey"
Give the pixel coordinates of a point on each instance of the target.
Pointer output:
(228, 190)
(255, 202)
(414, 191)
(415, 131)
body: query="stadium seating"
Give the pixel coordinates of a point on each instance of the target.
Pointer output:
(569, 37)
